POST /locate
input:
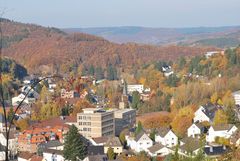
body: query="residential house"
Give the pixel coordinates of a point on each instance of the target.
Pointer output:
(224, 131)
(139, 143)
(53, 155)
(26, 91)
(166, 137)
(99, 141)
(69, 94)
(54, 144)
(97, 157)
(235, 138)
(212, 53)
(2, 123)
(135, 87)
(236, 96)
(2, 152)
(195, 130)
(12, 142)
(167, 70)
(52, 87)
(215, 150)
(189, 150)
(206, 113)
(28, 140)
(113, 142)
(96, 153)
(159, 150)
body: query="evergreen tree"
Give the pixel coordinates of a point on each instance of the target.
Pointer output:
(111, 73)
(172, 80)
(152, 135)
(110, 154)
(74, 148)
(139, 128)
(135, 99)
(99, 73)
(91, 70)
(181, 63)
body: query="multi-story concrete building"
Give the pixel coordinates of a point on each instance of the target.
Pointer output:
(95, 122)
(124, 118)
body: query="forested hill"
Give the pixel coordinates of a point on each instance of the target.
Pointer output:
(197, 36)
(49, 49)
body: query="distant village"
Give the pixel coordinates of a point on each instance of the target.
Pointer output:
(118, 129)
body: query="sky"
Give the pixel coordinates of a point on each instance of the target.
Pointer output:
(109, 13)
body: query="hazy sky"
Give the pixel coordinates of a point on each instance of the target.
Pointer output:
(105, 13)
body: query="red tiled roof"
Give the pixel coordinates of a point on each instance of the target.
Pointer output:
(36, 158)
(25, 155)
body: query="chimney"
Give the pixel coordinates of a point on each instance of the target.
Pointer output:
(211, 149)
(224, 147)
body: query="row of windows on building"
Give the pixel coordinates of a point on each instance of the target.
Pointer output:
(107, 122)
(84, 117)
(85, 123)
(107, 128)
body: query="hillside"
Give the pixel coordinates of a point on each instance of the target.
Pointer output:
(199, 36)
(50, 49)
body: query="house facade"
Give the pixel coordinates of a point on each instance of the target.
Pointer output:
(206, 113)
(195, 130)
(166, 137)
(139, 143)
(159, 150)
(224, 131)
(236, 96)
(114, 143)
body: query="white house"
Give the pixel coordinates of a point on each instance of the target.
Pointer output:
(166, 137)
(205, 113)
(140, 143)
(159, 150)
(236, 96)
(212, 53)
(235, 138)
(167, 70)
(2, 123)
(2, 152)
(195, 130)
(52, 87)
(53, 155)
(31, 97)
(12, 143)
(135, 87)
(20, 97)
(224, 131)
